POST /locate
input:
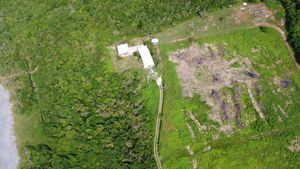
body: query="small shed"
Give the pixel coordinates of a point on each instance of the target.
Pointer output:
(154, 41)
(123, 50)
(146, 57)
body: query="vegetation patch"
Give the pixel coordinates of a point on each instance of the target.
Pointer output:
(260, 61)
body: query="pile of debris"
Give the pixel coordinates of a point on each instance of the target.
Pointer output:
(260, 12)
(295, 145)
(204, 71)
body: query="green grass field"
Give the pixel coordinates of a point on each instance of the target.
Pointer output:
(239, 150)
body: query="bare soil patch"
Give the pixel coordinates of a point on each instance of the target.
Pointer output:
(295, 145)
(259, 13)
(204, 71)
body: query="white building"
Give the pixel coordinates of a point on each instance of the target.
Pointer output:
(154, 41)
(146, 57)
(123, 50)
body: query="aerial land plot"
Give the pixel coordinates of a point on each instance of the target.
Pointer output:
(223, 116)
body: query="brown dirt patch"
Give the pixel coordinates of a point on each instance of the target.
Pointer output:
(240, 16)
(295, 145)
(204, 71)
(260, 13)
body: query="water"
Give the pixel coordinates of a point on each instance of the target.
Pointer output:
(9, 157)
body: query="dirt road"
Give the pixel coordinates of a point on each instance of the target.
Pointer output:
(157, 127)
(9, 157)
(159, 112)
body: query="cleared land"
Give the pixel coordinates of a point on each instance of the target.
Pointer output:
(220, 72)
(275, 77)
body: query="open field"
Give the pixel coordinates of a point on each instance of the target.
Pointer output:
(220, 22)
(243, 149)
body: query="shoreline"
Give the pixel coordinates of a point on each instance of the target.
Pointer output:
(9, 157)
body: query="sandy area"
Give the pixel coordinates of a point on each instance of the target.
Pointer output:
(9, 157)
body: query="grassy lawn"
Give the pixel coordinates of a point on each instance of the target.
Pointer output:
(173, 131)
(150, 95)
(240, 150)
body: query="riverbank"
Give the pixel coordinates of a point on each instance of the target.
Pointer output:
(9, 157)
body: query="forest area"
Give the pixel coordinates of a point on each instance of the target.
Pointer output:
(78, 114)
(292, 8)
(71, 112)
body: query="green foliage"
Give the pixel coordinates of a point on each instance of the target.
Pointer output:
(293, 24)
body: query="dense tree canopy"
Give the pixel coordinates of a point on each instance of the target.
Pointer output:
(292, 8)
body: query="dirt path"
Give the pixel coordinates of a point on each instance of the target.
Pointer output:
(159, 112)
(5, 78)
(157, 127)
(9, 157)
(198, 37)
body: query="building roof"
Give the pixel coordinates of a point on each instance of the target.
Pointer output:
(155, 41)
(146, 57)
(123, 49)
(134, 49)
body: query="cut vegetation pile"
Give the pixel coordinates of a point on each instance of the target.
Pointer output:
(204, 71)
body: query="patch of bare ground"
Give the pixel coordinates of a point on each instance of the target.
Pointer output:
(295, 145)
(240, 15)
(204, 71)
(260, 12)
